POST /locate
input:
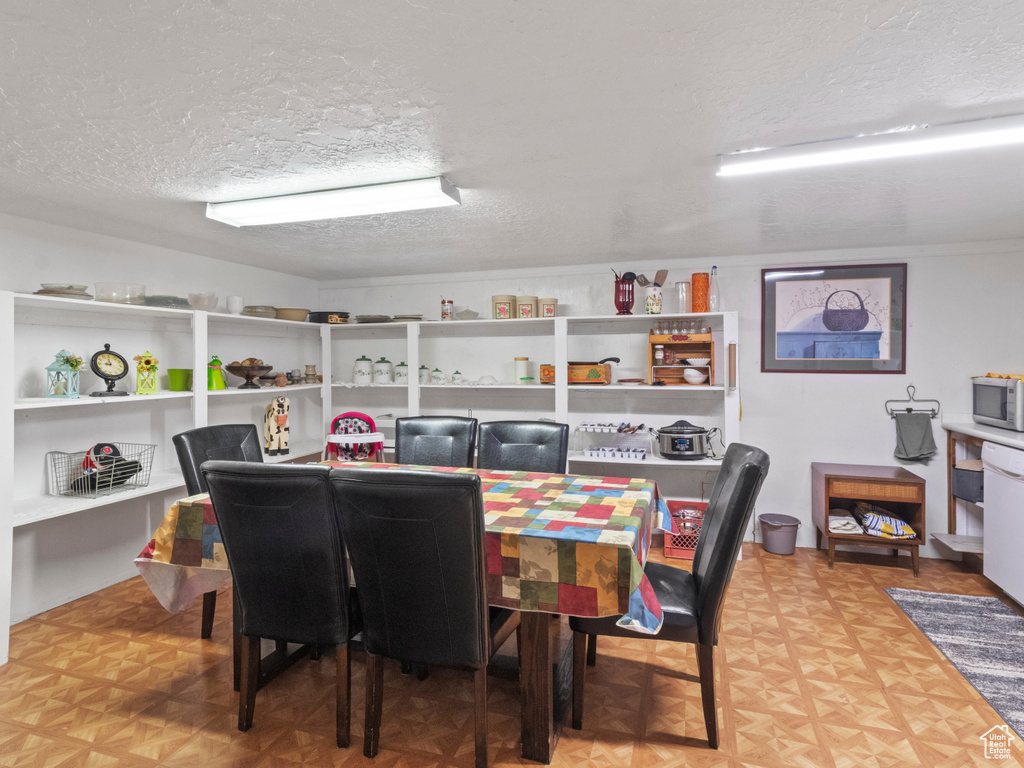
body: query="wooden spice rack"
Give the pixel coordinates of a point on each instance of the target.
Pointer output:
(682, 346)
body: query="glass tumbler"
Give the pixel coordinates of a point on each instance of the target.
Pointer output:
(683, 295)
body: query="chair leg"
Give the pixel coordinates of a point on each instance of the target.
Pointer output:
(591, 650)
(316, 652)
(706, 669)
(343, 694)
(250, 652)
(579, 649)
(236, 641)
(374, 700)
(480, 716)
(209, 609)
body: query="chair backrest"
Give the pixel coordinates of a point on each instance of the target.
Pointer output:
(721, 535)
(435, 441)
(416, 541)
(531, 446)
(225, 442)
(288, 565)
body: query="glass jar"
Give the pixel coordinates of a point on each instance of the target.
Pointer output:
(683, 296)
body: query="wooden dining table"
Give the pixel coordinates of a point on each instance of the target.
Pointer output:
(556, 545)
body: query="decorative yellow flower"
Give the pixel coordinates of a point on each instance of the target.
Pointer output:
(146, 362)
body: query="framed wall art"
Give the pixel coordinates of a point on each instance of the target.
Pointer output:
(849, 319)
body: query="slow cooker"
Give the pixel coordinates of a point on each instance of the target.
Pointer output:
(683, 441)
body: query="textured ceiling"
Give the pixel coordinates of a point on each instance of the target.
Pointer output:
(579, 131)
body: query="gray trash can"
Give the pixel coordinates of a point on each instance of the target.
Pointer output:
(778, 533)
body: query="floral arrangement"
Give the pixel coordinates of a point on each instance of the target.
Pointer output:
(146, 362)
(74, 362)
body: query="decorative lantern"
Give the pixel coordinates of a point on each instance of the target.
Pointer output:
(145, 373)
(62, 375)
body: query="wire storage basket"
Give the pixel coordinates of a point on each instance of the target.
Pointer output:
(104, 469)
(682, 541)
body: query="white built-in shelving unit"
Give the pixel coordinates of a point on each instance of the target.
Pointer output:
(33, 328)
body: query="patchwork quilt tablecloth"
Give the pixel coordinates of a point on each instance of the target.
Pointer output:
(569, 544)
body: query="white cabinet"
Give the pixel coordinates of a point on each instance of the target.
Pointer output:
(34, 328)
(487, 348)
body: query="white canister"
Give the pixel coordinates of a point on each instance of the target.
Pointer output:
(383, 373)
(654, 300)
(401, 373)
(548, 307)
(458, 378)
(526, 307)
(362, 371)
(424, 375)
(522, 369)
(436, 377)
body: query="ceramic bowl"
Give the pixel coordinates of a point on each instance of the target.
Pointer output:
(291, 313)
(698, 360)
(693, 376)
(207, 302)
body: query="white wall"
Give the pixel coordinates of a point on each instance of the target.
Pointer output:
(964, 318)
(58, 560)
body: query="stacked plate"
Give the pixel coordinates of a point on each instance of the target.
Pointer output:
(373, 318)
(64, 291)
(259, 310)
(408, 318)
(168, 302)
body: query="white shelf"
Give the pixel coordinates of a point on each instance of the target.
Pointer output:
(26, 403)
(494, 387)
(651, 461)
(296, 450)
(959, 543)
(645, 389)
(603, 324)
(32, 510)
(236, 392)
(371, 386)
(88, 305)
(481, 328)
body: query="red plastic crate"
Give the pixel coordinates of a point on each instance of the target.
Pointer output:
(682, 544)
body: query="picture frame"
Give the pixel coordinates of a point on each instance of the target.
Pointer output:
(836, 319)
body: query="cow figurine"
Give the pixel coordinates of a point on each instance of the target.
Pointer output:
(275, 427)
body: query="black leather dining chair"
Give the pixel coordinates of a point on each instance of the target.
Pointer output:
(692, 602)
(435, 441)
(226, 442)
(416, 541)
(531, 446)
(289, 568)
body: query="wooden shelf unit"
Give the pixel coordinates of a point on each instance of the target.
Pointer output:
(897, 490)
(683, 346)
(972, 556)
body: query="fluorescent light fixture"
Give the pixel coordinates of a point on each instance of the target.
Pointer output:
(337, 203)
(908, 142)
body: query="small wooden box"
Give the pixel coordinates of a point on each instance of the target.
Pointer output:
(579, 373)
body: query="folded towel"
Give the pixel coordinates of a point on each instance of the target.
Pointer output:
(843, 521)
(877, 522)
(974, 465)
(914, 441)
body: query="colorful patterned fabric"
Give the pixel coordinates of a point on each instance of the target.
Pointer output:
(877, 522)
(567, 544)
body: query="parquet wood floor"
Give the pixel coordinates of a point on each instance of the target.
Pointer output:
(817, 668)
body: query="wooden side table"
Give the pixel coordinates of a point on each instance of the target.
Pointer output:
(894, 489)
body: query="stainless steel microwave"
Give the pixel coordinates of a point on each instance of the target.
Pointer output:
(999, 402)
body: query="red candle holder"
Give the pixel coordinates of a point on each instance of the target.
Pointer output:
(623, 296)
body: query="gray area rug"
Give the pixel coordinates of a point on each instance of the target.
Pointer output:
(982, 637)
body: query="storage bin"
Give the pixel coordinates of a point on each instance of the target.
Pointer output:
(968, 484)
(104, 469)
(778, 532)
(681, 544)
